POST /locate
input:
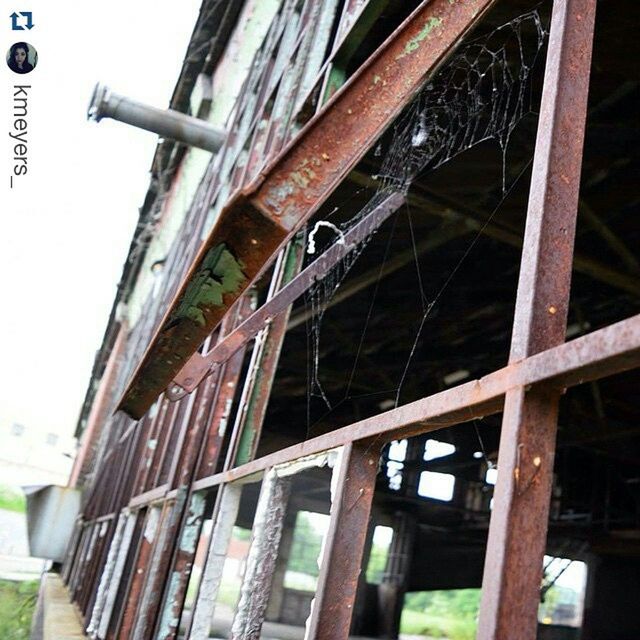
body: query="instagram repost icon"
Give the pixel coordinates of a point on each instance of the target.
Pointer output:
(22, 57)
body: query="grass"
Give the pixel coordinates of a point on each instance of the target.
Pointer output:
(17, 604)
(433, 626)
(12, 500)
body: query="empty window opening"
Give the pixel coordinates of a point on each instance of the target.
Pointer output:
(438, 486)
(440, 614)
(491, 476)
(436, 449)
(395, 464)
(382, 537)
(562, 592)
(302, 568)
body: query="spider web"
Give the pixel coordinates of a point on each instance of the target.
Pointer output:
(482, 93)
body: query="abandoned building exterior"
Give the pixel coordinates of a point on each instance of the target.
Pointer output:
(387, 260)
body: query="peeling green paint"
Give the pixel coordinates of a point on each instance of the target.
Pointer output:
(190, 534)
(413, 44)
(169, 620)
(219, 273)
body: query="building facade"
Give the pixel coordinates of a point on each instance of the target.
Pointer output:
(374, 303)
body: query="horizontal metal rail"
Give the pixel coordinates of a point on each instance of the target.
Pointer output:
(602, 353)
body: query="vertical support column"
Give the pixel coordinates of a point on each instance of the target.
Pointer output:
(276, 595)
(344, 544)
(107, 574)
(263, 365)
(358, 622)
(226, 512)
(517, 534)
(394, 585)
(261, 563)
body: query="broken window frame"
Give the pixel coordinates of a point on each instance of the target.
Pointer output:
(528, 389)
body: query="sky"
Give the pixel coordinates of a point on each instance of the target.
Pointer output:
(66, 225)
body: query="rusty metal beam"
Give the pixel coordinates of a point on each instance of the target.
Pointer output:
(199, 366)
(605, 352)
(518, 527)
(343, 547)
(256, 391)
(261, 561)
(258, 220)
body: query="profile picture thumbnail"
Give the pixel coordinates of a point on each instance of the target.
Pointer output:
(22, 57)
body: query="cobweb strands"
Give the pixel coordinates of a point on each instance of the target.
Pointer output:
(481, 94)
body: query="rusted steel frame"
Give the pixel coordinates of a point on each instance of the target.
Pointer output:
(107, 574)
(257, 221)
(602, 353)
(126, 475)
(121, 564)
(99, 570)
(174, 442)
(72, 551)
(518, 526)
(225, 512)
(100, 494)
(301, 76)
(218, 421)
(105, 537)
(85, 535)
(212, 399)
(154, 520)
(85, 559)
(110, 490)
(344, 544)
(100, 406)
(268, 344)
(144, 428)
(188, 453)
(120, 473)
(261, 562)
(92, 564)
(199, 366)
(90, 498)
(162, 451)
(208, 406)
(128, 574)
(157, 579)
(351, 12)
(182, 426)
(150, 445)
(262, 368)
(260, 86)
(276, 76)
(153, 495)
(176, 588)
(255, 363)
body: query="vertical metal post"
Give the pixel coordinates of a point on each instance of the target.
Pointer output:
(342, 555)
(261, 562)
(517, 534)
(256, 391)
(225, 514)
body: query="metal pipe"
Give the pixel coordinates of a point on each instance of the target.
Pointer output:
(167, 123)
